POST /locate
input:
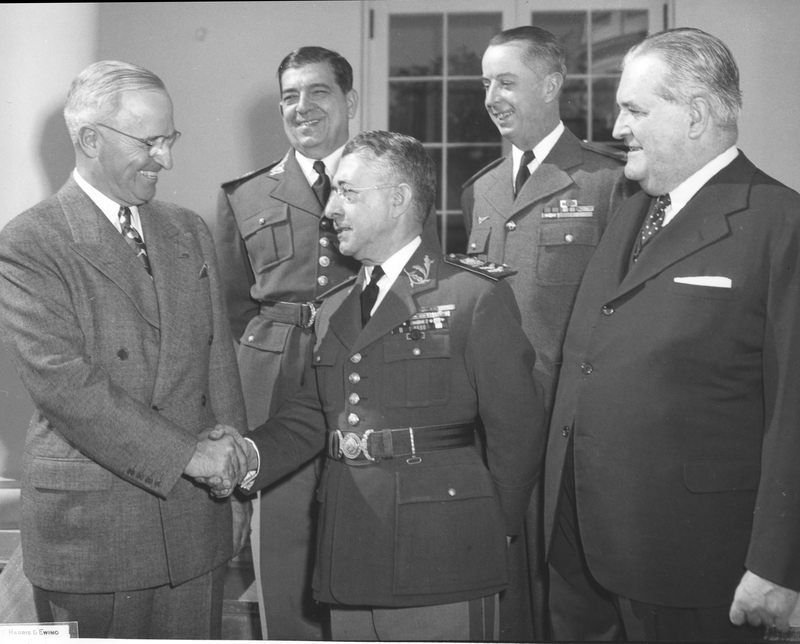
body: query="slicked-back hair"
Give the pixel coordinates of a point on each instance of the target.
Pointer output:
(94, 94)
(542, 49)
(342, 71)
(400, 159)
(696, 63)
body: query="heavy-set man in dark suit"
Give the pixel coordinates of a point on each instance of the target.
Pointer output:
(413, 523)
(672, 460)
(279, 259)
(111, 309)
(546, 229)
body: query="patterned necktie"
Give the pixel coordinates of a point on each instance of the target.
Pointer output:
(523, 173)
(322, 186)
(370, 295)
(653, 223)
(131, 235)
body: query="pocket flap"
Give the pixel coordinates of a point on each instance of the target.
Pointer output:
(325, 354)
(479, 240)
(569, 231)
(446, 483)
(721, 475)
(266, 217)
(436, 344)
(266, 335)
(77, 475)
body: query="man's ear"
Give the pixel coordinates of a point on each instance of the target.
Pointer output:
(89, 141)
(552, 86)
(402, 198)
(699, 116)
(352, 103)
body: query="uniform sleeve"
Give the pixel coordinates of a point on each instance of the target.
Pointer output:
(235, 269)
(43, 335)
(500, 359)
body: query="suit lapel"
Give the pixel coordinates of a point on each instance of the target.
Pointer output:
(551, 176)
(701, 222)
(292, 186)
(100, 244)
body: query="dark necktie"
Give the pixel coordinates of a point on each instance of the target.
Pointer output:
(322, 186)
(523, 173)
(131, 235)
(370, 295)
(653, 223)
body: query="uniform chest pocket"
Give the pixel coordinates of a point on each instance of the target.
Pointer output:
(565, 248)
(416, 372)
(268, 237)
(330, 384)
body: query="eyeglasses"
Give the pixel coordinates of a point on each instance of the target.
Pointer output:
(156, 143)
(350, 195)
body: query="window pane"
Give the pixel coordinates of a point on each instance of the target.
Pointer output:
(468, 35)
(574, 104)
(462, 163)
(436, 155)
(415, 108)
(570, 28)
(613, 34)
(467, 118)
(415, 45)
(455, 235)
(604, 110)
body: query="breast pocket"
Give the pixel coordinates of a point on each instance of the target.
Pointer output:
(268, 237)
(416, 372)
(330, 381)
(565, 248)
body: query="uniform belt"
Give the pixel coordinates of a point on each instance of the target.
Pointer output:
(300, 314)
(352, 447)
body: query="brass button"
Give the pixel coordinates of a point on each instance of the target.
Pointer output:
(353, 377)
(569, 239)
(324, 242)
(416, 351)
(608, 310)
(354, 398)
(451, 491)
(353, 419)
(325, 223)
(511, 226)
(319, 358)
(250, 338)
(322, 280)
(355, 358)
(473, 245)
(565, 432)
(262, 221)
(324, 261)
(587, 368)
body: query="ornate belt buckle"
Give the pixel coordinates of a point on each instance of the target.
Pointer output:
(312, 316)
(351, 446)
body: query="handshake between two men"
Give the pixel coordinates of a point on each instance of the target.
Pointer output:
(221, 460)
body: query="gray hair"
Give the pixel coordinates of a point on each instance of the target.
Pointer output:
(697, 64)
(541, 47)
(94, 94)
(405, 160)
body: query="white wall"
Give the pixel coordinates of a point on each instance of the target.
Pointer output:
(763, 36)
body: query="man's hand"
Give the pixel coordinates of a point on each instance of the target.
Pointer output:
(759, 601)
(221, 487)
(220, 457)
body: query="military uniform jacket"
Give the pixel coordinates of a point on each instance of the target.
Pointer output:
(274, 245)
(681, 397)
(124, 373)
(400, 533)
(547, 234)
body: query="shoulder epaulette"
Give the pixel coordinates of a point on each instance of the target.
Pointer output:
(483, 171)
(254, 173)
(479, 267)
(606, 150)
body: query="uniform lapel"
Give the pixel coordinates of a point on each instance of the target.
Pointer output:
(551, 176)
(700, 223)
(292, 186)
(100, 244)
(345, 322)
(498, 193)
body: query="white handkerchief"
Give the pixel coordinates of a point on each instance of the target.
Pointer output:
(706, 280)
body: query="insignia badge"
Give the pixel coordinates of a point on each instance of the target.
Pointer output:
(479, 266)
(482, 219)
(418, 275)
(278, 169)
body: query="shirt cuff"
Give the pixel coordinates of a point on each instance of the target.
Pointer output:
(247, 481)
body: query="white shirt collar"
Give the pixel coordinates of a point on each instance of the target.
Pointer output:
(109, 207)
(307, 165)
(392, 268)
(540, 151)
(681, 195)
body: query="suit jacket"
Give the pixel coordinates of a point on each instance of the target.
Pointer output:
(274, 245)
(396, 533)
(124, 372)
(540, 238)
(681, 398)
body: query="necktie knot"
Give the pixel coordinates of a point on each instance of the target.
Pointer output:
(653, 223)
(523, 172)
(370, 294)
(322, 186)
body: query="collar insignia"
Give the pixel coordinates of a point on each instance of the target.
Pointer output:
(418, 275)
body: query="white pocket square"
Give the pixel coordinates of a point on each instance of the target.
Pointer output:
(706, 280)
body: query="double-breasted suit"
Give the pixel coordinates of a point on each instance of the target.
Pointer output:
(428, 530)
(124, 371)
(679, 394)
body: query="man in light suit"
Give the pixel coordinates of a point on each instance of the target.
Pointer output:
(413, 522)
(112, 311)
(545, 228)
(279, 259)
(671, 474)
